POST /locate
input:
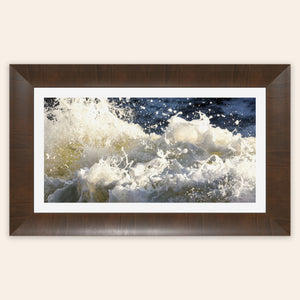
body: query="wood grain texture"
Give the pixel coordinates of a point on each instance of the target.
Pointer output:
(276, 79)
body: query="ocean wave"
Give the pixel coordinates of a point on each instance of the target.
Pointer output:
(95, 153)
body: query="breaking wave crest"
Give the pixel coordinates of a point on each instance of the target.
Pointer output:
(95, 153)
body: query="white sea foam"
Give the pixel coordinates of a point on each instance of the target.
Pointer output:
(94, 153)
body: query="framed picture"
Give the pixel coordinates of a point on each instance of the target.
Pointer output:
(149, 149)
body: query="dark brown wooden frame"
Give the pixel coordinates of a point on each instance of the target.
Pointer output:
(276, 80)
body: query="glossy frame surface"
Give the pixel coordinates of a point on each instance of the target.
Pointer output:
(276, 80)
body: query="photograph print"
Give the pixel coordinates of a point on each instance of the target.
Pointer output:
(149, 150)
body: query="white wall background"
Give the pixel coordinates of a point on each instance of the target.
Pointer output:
(157, 31)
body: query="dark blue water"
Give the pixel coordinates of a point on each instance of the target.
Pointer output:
(234, 114)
